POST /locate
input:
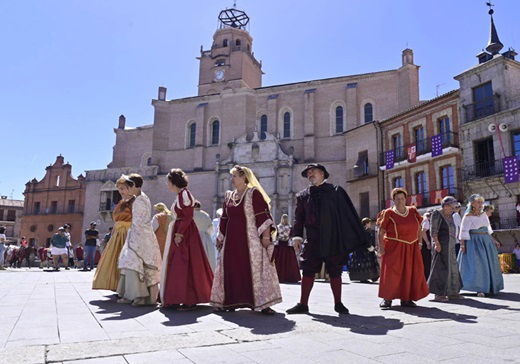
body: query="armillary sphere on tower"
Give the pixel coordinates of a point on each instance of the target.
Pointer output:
(233, 18)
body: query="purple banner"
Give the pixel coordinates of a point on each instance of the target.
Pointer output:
(389, 159)
(510, 169)
(436, 145)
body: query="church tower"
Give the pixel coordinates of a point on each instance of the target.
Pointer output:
(230, 63)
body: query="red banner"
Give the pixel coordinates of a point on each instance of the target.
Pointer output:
(437, 196)
(412, 154)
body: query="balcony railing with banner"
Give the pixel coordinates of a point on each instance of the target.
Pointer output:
(430, 198)
(362, 172)
(482, 108)
(482, 170)
(423, 146)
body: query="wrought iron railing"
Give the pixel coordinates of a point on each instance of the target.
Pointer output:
(423, 146)
(482, 170)
(482, 108)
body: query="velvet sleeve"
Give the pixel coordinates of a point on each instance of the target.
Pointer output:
(261, 209)
(185, 203)
(384, 220)
(299, 218)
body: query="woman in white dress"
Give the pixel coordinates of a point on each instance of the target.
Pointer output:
(140, 259)
(205, 226)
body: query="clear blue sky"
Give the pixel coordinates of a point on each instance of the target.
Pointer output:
(69, 68)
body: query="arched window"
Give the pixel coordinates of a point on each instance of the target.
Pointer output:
(287, 125)
(263, 127)
(237, 42)
(192, 134)
(149, 161)
(339, 119)
(369, 112)
(215, 132)
(224, 43)
(58, 181)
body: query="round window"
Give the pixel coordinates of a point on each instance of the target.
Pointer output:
(50, 227)
(32, 228)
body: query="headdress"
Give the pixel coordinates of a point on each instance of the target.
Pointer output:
(252, 181)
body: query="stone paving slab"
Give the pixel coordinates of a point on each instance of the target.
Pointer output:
(58, 318)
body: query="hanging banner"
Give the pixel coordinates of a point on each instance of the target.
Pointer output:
(389, 159)
(412, 154)
(436, 145)
(414, 200)
(437, 196)
(510, 169)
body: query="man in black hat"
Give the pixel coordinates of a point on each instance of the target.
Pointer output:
(333, 230)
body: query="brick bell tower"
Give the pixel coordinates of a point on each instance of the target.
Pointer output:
(230, 63)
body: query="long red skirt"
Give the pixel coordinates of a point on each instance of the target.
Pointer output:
(189, 276)
(286, 263)
(402, 272)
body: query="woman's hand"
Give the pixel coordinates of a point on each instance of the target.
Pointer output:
(177, 240)
(437, 247)
(219, 243)
(463, 249)
(381, 250)
(266, 241)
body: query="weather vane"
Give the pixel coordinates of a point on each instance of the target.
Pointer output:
(488, 3)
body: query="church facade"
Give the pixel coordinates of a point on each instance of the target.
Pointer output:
(275, 130)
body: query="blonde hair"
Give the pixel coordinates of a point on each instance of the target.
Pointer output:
(251, 181)
(162, 208)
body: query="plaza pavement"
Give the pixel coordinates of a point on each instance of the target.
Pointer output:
(55, 317)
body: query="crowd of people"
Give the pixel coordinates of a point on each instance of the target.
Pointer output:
(180, 257)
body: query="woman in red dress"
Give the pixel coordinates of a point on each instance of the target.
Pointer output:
(186, 276)
(402, 269)
(284, 256)
(245, 275)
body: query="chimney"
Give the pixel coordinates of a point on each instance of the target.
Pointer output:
(162, 94)
(122, 122)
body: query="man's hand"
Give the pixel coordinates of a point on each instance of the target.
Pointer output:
(297, 245)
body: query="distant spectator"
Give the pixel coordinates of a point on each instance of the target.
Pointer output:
(59, 249)
(516, 252)
(91, 236)
(2, 246)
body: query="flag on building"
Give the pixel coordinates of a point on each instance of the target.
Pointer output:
(414, 200)
(510, 169)
(436, 145)
(412, 153)
(389, 159)
(437, 196)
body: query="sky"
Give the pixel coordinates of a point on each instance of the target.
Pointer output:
(69, 68)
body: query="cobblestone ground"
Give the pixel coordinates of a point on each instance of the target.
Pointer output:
(55, 317)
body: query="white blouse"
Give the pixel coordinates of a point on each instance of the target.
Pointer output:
(471, 222)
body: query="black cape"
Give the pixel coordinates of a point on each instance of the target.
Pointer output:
(341, 231)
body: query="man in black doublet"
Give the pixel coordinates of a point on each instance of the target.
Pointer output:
(333, 230)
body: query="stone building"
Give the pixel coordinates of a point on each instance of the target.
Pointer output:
(490, 128)
(423, 143)
(10, 212)
(275, 130)
(51, 202)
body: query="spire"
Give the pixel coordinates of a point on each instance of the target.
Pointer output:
(494, 46)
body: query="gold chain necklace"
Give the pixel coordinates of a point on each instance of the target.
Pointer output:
(234, 198)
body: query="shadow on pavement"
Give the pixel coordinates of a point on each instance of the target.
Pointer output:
(365, 325)
(178, 317)
(488, 306)
(258, 323)
(127, 311)
(437, 313)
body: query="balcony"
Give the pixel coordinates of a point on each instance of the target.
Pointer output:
(423, 146)
(483, 170)
(482, 108)
(361, 172)
(56, 212)
(424, 200)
